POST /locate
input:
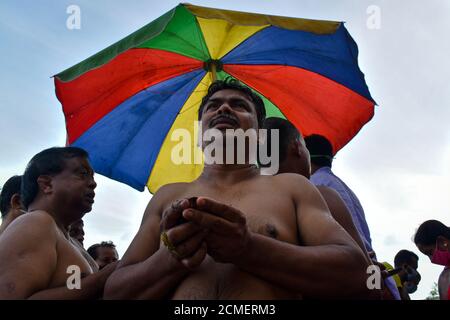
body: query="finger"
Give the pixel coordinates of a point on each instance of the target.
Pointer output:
(171, 215)
(209, 221)
(220, 209)
(190, 246)
(182, 232)
(195, 259)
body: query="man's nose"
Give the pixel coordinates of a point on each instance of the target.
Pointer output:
(224, 108)
(92, 183)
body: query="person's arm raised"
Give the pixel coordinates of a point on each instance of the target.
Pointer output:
(329, 264)
(148, 271)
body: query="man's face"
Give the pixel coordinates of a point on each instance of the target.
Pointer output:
(229, 109)
(74, 186)
(409, 275)
(305, 161)
(413, 263)
(105, 256)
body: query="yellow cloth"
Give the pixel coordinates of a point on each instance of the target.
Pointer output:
(396, 278)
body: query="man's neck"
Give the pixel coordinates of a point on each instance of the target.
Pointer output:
(54, 212)
(12, 214)
(287, 167)
(228, 174)
(6, 221)
(314, 168)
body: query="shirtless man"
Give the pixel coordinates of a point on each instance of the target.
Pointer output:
(294, 158)
(246, 236)
(35, 251)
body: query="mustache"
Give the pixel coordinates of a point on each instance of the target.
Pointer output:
(221, 117)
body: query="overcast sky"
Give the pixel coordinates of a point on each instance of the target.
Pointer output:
(398, 164)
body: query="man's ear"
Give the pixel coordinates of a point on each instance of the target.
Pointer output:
(15, 202)
(443, 243)
(45, 184)
(295, 147)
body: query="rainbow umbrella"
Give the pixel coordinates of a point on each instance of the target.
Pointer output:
(124, 103)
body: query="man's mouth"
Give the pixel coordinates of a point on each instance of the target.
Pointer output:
(90, 196)
(223, 122)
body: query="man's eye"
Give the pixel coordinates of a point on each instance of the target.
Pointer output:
(241, 105)
(83, 172)
(212, 106)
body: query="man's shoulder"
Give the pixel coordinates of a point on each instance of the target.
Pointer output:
(36, 220)
(328, 193)
(171, 190)
(32, 226)
(173, 187)
(288, 180)
(165, 195)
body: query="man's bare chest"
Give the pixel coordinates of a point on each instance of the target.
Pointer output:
(70, 263)
(267, 211)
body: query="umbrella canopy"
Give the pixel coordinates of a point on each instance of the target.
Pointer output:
(123, 104)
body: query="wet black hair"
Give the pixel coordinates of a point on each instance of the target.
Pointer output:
(320, 150)
(47, 162)
(429, 231)
(92, 250)
(404, 257)
(233, 84)
(10, 188)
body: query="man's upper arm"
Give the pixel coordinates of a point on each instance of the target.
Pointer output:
(341, 214)
(28, 256)
(315, 222)
(146, 241)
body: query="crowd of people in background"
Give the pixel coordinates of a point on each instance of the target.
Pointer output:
(231, 234)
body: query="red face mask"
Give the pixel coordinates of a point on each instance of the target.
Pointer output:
(441, 257)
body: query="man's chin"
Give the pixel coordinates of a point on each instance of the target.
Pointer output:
(225, 126)
(87, 208)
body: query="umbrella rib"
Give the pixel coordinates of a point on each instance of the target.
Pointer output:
(202, 54)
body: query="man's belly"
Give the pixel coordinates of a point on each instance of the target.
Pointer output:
(225, 281)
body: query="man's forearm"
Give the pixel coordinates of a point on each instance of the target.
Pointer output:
(317, 271)
(91, 287)
(153, 278)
